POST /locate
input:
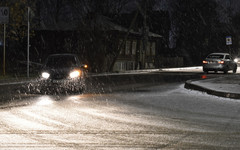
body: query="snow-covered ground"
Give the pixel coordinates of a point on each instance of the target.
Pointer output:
(188, 69)
(184, 69)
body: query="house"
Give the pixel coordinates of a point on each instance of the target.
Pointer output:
(132, 56)
(130, 44)
(126, 45)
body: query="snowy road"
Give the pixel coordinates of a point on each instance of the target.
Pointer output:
(164, 116)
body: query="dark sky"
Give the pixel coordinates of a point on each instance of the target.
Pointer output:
(234, 5)
(225, 9)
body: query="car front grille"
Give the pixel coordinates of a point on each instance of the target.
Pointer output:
(59, 76)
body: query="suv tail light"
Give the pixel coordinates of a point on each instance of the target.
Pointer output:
(205, 62)
(221, 62)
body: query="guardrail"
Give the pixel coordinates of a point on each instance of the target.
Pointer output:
(11, 89)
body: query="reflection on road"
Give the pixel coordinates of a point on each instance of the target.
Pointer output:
(44, 100)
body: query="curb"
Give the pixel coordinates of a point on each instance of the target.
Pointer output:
(192, 86)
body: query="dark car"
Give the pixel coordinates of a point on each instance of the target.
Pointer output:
(62, 72)
(219, 62)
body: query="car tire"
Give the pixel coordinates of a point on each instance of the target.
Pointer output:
(205, 71)
(225, 71)
(235, 69)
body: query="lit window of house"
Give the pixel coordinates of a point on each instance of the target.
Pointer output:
(122, 46)
(141, 46)
(128, 47)
(134, 47)
(148, 50)
(153, 49)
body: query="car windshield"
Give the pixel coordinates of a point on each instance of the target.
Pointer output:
(61, 61)
(216, 56)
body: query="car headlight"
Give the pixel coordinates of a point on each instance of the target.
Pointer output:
(45, 75)
(75, 74)
(85, 66)
(235, 60)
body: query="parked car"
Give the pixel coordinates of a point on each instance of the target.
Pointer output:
(62, 73)
(219, 62)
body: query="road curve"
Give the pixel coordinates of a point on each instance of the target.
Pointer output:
(163, 116)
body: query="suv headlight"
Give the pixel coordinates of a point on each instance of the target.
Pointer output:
(45, 75)
(75, 74)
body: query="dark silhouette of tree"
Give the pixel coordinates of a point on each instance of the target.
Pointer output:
(16, 30)
(195, 25)
(95, 31)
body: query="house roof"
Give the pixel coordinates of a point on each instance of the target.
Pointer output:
(99, 21)
(107, 24)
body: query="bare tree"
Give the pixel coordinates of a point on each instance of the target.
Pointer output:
(101, 46)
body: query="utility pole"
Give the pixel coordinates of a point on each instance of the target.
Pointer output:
(144, 33)
(4, 50)
(28, 41)
(4, 19)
